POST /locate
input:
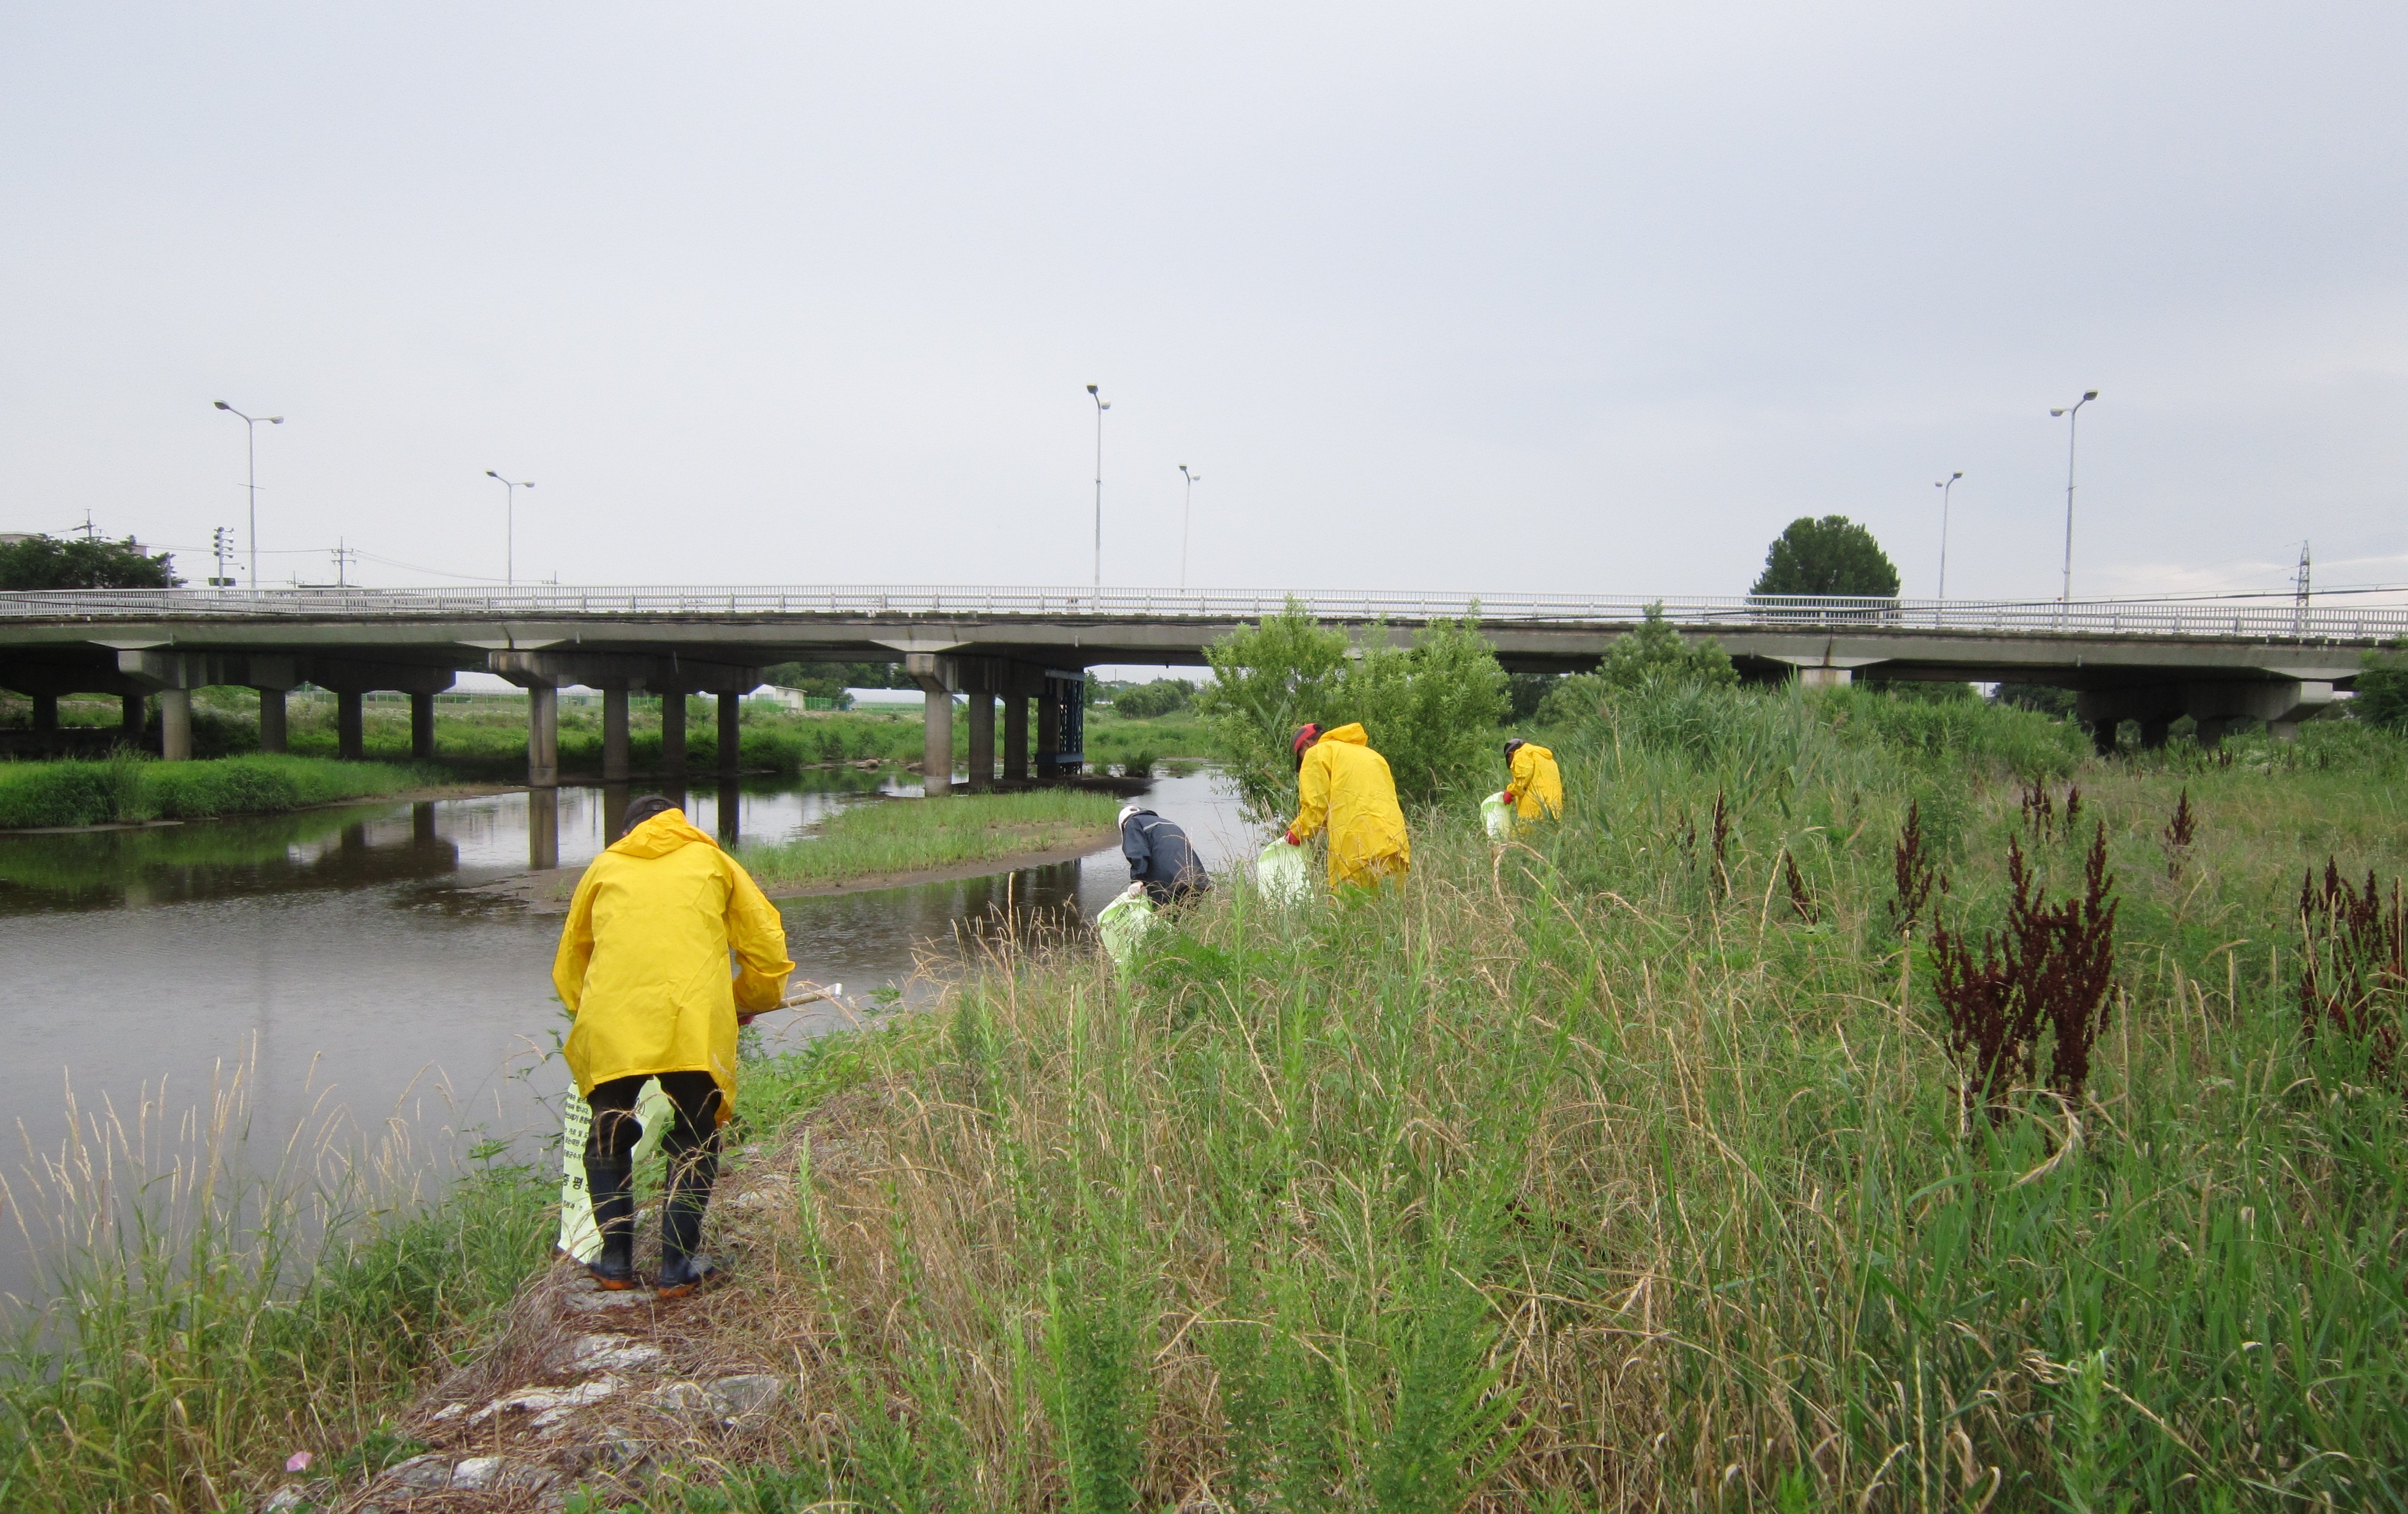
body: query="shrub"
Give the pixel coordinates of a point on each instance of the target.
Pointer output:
(1431, 709)
(1163, 697)
(1653, 657)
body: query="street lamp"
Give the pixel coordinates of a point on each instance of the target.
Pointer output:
(1188, 514)
(2072, 430)
(510, 526)
(1945, 485)
(1102, 406)
(251, 445)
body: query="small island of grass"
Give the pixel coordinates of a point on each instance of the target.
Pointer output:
(129, 790)
(902, 841)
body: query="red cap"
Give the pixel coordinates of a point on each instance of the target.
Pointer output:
(1306, 735)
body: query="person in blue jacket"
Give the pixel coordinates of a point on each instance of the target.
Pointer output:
(1159, 857)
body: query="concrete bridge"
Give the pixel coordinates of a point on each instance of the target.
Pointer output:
(2149, 661)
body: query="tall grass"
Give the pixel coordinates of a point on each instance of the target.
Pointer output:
(875, 838)
(129, 788)
(1565, 1178)
(196, 1320)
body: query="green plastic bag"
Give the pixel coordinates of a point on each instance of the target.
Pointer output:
(1497, 817)
(580, 1239)
(1280, 873)
(1123, 924)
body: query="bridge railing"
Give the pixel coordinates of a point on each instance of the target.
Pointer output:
(2089, 617)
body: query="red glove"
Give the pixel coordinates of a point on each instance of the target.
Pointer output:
(1509, 796)
(1293, 839)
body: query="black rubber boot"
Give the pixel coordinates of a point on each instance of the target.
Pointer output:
(682, 1266)
(611, 1187)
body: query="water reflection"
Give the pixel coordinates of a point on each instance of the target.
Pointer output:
(351, 951)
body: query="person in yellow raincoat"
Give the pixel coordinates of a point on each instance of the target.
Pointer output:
(1536, 789)
(642, 968)
(1342, 784)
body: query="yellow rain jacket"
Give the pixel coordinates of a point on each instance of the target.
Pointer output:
(1538, 786)
(643, 959)
(1346, 786)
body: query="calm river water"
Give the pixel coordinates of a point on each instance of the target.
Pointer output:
(345, 956)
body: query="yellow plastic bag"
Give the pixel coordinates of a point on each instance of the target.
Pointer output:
(1280, 873)
(580, 1239)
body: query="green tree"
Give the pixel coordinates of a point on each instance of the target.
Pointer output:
(829, 680)
(2383, 689)
(1268, 679)
(1163, 697)
(64, 562)
(1650, 658)
(1832, 557)
(1432, 709)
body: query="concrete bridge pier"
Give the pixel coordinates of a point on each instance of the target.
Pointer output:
(542, 674)
(981, 742)
(731, 735)
(272, 725)
(543, 753)
(422, 724)
(673, 734)
(351, 731)
(1015, 735)
(936, 677)
(46, 713)
(614, 734)
(132, 715)
(175, 725)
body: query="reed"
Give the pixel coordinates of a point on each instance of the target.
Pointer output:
(201, 1309)
(1559, 1179)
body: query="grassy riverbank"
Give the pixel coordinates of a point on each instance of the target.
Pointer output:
(132, 789)
(888, 837)
(1629, 1166)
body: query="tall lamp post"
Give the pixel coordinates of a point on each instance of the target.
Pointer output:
(1102, 406)
(251, 445)
(2072, 431)
(1187, 515)
(510, 526)
(1945, 485)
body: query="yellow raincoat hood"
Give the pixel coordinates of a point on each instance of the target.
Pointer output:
(642, 964)
(1346, 786)
(1537, 783)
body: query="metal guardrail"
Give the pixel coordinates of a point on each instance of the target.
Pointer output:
(2094, 617)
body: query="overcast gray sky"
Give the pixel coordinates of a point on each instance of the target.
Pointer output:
(1485, 298)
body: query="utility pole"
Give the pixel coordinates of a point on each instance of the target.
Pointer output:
(221, 542)
(251, 446)
(2300, 591)
(1102, 406)
(1186, 516)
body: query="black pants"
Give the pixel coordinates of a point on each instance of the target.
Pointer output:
(694, 1133)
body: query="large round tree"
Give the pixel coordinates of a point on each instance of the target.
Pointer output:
(79, 563)
(1830, 558)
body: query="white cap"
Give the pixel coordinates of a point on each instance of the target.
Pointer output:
(1126, 810)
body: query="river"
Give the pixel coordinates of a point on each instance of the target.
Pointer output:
(346, 959)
